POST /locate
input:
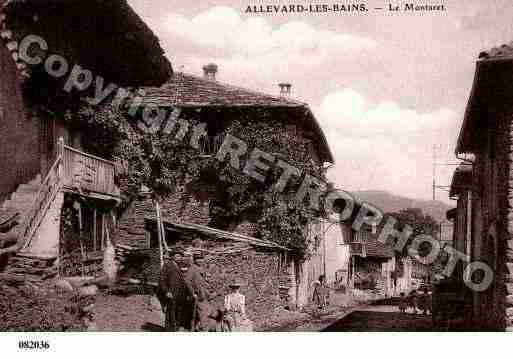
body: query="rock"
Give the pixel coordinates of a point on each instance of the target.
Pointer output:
(64, 285)
(78, 282)
(88, 291)
(134, 281)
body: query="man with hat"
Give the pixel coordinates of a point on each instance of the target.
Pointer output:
(175, 296)
(198, 285)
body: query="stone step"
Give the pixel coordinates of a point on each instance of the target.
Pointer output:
(20, 207)
(28, 188)
(21, 200)
(20, 263)
(19, 278)
(23, 196)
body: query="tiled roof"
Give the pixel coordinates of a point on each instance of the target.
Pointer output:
(502, 52)
(185, 90)
(189, 90)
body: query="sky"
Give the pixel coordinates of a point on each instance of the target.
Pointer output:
(385, 87)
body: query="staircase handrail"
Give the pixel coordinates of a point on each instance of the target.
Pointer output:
(40, 205)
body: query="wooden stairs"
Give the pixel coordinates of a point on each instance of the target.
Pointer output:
(28, 207)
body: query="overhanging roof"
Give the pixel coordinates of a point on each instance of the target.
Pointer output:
(491, 86)
(461, 179)
(185, 227)
(106, 37)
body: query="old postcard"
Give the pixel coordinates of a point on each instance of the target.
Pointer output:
(239, 166)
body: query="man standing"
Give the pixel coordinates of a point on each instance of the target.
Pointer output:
(175, 297)
(198, 285)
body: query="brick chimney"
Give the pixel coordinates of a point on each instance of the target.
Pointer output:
(210, 71)
(285, 89)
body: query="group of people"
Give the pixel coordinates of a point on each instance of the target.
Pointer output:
(416, 301)
(185, 300)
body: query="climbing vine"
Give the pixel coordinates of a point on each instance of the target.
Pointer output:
(165, 165)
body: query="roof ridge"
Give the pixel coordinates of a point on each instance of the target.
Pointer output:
(240, 88)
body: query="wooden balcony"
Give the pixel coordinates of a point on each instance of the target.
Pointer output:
(88, 174)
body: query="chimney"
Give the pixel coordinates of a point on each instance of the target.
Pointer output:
(285, 89)
(210, 71)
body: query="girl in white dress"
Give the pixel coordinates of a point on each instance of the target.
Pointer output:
(235, 309)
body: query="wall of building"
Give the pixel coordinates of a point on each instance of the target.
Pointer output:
(506, 229)
(264, 273)
(19, 140)
(492, 227)
(337, 253)
(178, 207)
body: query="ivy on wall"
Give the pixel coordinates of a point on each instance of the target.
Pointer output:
(163, 164)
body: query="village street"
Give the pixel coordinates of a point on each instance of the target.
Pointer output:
(381, 317)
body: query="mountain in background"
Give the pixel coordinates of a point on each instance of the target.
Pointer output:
(389, 202)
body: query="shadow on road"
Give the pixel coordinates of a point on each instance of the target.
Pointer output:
(150, 327)
(381, 318)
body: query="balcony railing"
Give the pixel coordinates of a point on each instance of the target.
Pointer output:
(74, 170)
(85, 172)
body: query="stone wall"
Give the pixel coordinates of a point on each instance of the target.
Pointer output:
(264, 273)
(178, 207)
(492, 222)
(507, 248)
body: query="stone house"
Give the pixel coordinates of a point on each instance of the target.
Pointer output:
(187, 213)
(60, 197)
(371, 264)
(485, 140)
(50, 174)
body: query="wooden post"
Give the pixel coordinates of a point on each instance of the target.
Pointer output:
(159, 233)
(104, 244)
(60, 156)
(95, 239)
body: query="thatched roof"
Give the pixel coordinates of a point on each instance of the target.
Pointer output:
(185, 90)
(107, 37)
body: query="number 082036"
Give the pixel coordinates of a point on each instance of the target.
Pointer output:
(33, 345)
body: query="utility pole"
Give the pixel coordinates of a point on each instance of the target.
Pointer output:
(434, 172)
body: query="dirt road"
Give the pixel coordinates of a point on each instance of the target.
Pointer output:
(381, 318)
